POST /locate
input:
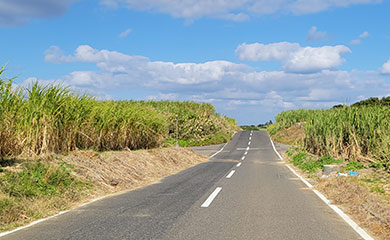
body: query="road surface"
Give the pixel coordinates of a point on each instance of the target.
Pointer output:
(243, 192)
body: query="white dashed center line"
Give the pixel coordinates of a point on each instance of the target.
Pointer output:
(231, 174)
(210, 199)
(243, 158)
(245, 153)
(249, 143)
(238, 164)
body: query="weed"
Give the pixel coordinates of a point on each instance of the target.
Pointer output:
(353, 165)
(299, 158)
(329, 160)
(376, 165)
(310, 166)
(308, 163)
(377, 189)
(37, 180)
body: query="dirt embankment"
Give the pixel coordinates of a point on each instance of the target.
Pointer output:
(34, 189)
(125, 170)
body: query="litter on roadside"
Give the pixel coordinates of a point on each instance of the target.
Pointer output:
(351, 173)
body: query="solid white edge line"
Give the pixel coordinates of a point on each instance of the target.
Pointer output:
(210, 199)
(231, 174)
(344, 216)
(219, 151)
(356, 227)
(238, 164)
(273, 146)
(53, 216)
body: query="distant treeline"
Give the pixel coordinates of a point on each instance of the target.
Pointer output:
(374, 101)
(260, 126)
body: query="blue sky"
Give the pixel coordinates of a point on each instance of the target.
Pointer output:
(249, 58)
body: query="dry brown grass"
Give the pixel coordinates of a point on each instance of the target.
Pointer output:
(368, 209)
(117, 171)
(290, 136)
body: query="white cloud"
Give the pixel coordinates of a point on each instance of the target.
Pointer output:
(125, 33)
(293, 57)
(135, 69)
(19, 12)
(364, 35)
(314, 35)
(55, 55)
(361, 36)
(164, 97)
(237, 10)
(386, 68)
(236, 90)
(355, 42)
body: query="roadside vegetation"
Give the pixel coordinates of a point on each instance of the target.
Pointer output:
(37, 189)
(354, 138)
(39, 120)
(354, 133)
(59, 148)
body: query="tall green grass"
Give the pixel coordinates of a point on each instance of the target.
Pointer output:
(39, 120)
(357, 133)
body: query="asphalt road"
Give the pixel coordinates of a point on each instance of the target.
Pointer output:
(240, 193)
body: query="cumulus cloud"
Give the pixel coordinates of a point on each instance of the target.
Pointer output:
(386, 68)
(125, 33)
(356, 42)
(293, 57)
(236, 90)
(365, 34)
(314, 35)
(237, 10)
(163, 97)
(19, 12)
(136, 68)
